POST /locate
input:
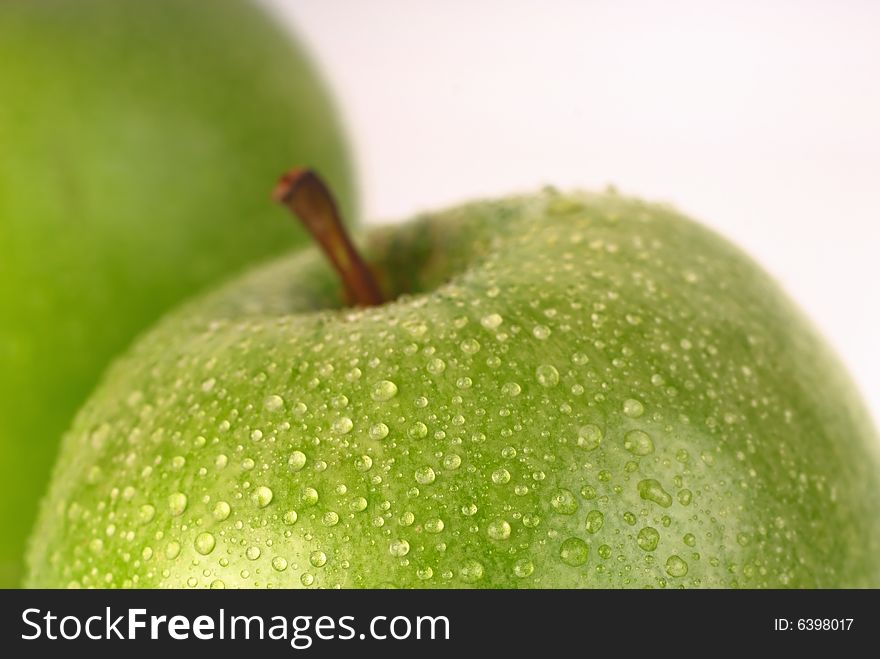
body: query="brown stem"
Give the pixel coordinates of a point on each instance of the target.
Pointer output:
(304, 193)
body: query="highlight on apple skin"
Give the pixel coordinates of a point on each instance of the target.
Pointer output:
(565, 390)
(134, 139)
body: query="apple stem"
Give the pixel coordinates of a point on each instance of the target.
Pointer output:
(306, 195)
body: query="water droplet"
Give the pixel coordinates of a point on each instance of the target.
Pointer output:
(530, 520)
(146, 513)
(262, 496)
(651, 490)
(415, 327)
(307, 579)
(574, 552)
(676, 567)
(523, 568)
(470, 346)
(296, 461)
(318, 558)
(491, 321)
(253, 553)
(221, 511)
(629, 518)
(472, 571)
(595, 521)
(547, 375)
(399, 548)
(436, 366)
(499, 529)
(378, 431)
(689, 539)
(342, 425)
(589, 437)
(541, 332)
(273, 403)
(511, 389)
(257, 435)
(638, 442)
(684, 497)
(564, 502)
(177, 504)
(290, 517)
(633, 408)
(218, 584)
(418, 430)
(205, 543)
(452, 462)
(434, 525)
(500, 476)
(363, 463)
(384, 390)
(309, 496)
(279, 563)
(425, 475)
(648, 539)
(330, 518)
(172, 550)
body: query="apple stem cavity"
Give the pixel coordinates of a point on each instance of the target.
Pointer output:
(308, 197)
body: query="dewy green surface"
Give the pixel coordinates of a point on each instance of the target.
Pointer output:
(139, 142)
(573, 391)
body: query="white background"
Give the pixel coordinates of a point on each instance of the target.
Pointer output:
(762, 119)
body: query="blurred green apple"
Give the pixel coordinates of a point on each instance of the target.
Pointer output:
(135, 142)
(566, 391)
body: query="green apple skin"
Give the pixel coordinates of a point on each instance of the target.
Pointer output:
(136, 138)
(567, 391)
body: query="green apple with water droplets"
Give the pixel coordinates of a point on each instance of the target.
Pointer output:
(565, 390)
